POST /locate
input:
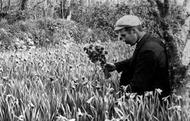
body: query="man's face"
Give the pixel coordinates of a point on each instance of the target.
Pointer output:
(127, 36)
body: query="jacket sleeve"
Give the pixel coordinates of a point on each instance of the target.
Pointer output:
(144, 71)
(123, 65)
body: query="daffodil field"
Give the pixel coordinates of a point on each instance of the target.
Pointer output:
(48, 73)
(61, 84)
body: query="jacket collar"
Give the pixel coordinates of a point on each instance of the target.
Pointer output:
(140, 44)
(142, 41)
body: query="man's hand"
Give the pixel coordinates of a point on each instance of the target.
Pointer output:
(110, 67)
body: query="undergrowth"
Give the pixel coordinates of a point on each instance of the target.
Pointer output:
(61, 84)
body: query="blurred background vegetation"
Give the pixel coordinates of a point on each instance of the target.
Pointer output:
(42, 23)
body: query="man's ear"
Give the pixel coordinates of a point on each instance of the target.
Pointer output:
(133, 30)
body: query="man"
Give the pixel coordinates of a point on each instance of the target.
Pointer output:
(147, 70)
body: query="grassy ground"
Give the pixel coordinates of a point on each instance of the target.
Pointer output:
(62, 84)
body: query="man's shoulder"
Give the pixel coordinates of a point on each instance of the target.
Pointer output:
(154, 44)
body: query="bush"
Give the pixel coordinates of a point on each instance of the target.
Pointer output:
(100, 18)
(42, 32)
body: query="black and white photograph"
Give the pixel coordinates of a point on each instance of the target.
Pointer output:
(94, 60)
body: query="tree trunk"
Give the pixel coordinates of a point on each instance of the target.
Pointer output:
(1, 2)
(81, 2)
(185, 3)
(9, 4)
(50, 8)
(23, 5)
(177, 70)
(35, 8)
(63, 8)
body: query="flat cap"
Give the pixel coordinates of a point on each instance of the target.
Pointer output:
(127, 21)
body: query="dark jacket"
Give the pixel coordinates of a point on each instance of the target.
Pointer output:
(147, 70)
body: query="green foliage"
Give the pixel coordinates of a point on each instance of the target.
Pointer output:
(101, 18)
(62, 84)
(43, 32)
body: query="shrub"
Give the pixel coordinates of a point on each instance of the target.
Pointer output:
(100, 18)
(42, 32)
